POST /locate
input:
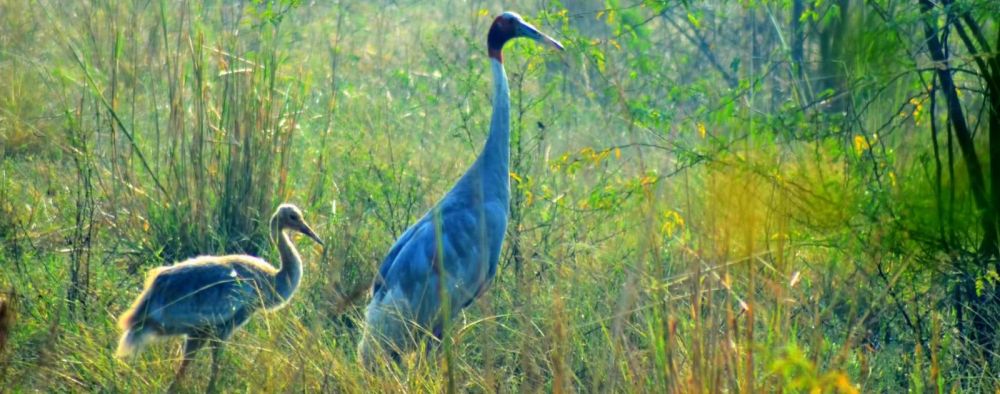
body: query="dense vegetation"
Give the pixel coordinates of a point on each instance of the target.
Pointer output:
(708, 195)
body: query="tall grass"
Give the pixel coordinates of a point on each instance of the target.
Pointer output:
(665, 236)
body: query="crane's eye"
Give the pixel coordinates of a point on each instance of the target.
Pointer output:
(294, 216)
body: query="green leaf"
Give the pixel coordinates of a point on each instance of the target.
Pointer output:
(694, 20)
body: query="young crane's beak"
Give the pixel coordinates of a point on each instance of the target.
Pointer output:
(524, 29)
(311, 234)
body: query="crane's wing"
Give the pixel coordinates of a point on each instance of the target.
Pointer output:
(460, 242)
(199, 295)
(391, 257)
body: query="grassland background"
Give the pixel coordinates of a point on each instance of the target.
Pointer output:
(692, 212)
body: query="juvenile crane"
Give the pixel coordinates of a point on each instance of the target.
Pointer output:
(206, 298)
(454, 248)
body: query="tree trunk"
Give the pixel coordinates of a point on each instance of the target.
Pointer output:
(798, 36)
(981, 304)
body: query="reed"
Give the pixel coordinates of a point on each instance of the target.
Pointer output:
(678, 225)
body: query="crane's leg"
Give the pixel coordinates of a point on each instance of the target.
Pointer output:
(191, 345)
(220, 335)
(433, 345)
(216, 357)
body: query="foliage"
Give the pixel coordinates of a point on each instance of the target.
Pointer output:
(707, 196)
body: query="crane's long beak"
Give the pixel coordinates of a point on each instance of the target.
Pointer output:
(524, 29)
(311, 234)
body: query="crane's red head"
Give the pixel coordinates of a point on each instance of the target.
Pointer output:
(508, 26)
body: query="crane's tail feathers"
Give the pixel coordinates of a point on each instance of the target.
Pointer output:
(389, 331)
(127, 320)
(130, 318)
(132, 341)
(375, 350)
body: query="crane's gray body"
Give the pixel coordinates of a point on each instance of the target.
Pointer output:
(207, 296)
(463, 233)
(450, 256)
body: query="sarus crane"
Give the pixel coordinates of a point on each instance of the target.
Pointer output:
(206, 298)
(448, 258)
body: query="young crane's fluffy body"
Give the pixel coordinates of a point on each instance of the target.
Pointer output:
(206, 298)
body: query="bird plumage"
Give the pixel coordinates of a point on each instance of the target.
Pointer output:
(208, 297)
(202, 293)
(455, 247)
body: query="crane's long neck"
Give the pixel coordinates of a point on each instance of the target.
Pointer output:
(290, 274)
(493, 163)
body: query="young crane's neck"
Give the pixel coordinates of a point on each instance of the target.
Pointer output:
(290, 274)
(493, 163)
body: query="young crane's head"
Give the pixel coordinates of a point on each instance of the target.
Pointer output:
(289, 217)
(510, 25)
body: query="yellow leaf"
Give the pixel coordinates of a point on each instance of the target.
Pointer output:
(672, 222)
(845, 384)
(515, 176)
(618, 153)
(701, 130)
(597, 157)
(860, 145)
(484, 12)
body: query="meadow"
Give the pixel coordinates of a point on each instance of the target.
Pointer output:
(707, 196)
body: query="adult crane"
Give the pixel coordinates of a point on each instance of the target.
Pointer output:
(448, 258)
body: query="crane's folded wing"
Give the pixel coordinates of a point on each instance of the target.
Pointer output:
(391, 257)
(200, 295)
(411, 268)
